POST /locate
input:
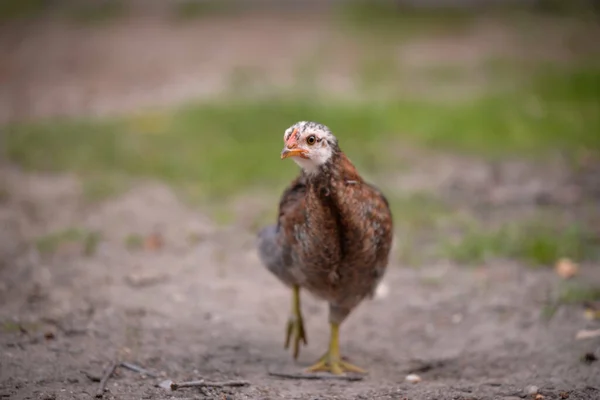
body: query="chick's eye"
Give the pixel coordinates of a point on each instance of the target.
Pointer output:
(311, 139)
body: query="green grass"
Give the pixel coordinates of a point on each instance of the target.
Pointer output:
(96, 12)
(220, 148)
(83, 12)
(418, 211)
(560, 8)
(389, 17)
(193, 9)
(17, 9)
(570, 293)
(51, 243)
(134, 241)
(536, 243)
(577, 293)
(14, 327)
(420, 219)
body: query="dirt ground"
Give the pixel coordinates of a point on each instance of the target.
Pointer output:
(201, 305)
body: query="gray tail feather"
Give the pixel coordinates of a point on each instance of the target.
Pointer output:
(269, 250)
(271, 254)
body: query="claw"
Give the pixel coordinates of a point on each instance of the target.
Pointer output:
(334, 365)
(332, 361)
(295, 332)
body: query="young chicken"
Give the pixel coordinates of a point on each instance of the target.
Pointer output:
(332, 238)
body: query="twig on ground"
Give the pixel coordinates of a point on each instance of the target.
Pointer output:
(349, 378)
(107, 374)
(203, 383)
(587, 334)
(138, 369)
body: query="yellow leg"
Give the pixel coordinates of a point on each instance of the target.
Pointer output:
(295, 326)
(332, 361)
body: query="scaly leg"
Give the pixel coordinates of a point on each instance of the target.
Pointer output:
(295, 325)
(332, 361)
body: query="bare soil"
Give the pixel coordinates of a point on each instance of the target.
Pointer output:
(198, 304)
(201, 305)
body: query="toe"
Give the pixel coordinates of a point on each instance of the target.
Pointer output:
(318, 366)
(288, 334)
(352, 368)
(336, 369)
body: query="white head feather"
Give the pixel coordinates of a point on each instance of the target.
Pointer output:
(316, 142)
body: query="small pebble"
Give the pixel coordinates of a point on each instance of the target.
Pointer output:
(382, 291)
(456, 318)
(412, 378)
(566, 268)
(166, 384)
(531, 390)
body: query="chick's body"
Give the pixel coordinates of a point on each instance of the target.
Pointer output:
(333, 234)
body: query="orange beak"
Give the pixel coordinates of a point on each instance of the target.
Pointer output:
(287, 152)
(291, 148)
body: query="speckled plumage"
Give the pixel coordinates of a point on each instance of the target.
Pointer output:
(334, 230)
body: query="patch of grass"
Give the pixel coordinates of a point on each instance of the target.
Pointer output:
(193, 9)
(10, 327)
(96, 11)
(445, 73)
(570, 293)
(17, 9)
(418, 211)
(561, 8)
(578, 293)
(536, 243)
(134, 241)
(418, 220)
(14, 327)
(391, 18)
(90, 243)
(51, 243)
(221, 148)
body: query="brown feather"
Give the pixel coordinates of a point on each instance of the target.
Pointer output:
(336, 230)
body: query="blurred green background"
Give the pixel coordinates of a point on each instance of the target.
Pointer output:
(404, 88)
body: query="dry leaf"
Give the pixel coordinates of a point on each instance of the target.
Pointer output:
(566, 269)
(153, 242)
